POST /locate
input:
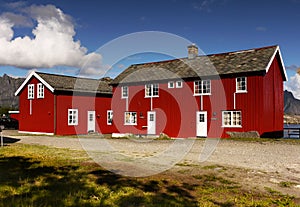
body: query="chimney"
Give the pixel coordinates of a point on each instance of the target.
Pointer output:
(192, 51)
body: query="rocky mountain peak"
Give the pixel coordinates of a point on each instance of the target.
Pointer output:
(8, 87)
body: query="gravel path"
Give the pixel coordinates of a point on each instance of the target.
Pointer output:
(276, 157)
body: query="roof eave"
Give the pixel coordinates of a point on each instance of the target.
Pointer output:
(277, 50)
(33, 74)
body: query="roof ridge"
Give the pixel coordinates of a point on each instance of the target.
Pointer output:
(241, 51)
(69, 76)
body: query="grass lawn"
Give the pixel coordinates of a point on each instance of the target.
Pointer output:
(33, 175)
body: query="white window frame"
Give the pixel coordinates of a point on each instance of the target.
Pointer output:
(110, 116)
(230, 119)
(40, 90)
(171, 84)
(124, 93)
(202, 86)
(151, 89)
(31, 91)
(72, 117)
(239, 83)
(130, 118)
(179, 84)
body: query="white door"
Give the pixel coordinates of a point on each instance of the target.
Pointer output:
(151, 119)
(201, 121)
(91, 121)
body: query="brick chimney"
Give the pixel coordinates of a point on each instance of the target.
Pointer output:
(192, 51)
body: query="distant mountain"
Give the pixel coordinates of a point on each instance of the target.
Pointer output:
(291, 104)
(8, 87)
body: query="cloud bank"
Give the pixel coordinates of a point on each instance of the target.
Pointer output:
(293, 85)
(51, 43)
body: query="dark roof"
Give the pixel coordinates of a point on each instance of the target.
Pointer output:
(253, 60)
(68, 83)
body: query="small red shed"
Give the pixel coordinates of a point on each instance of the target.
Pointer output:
(203, 96)
(63, 105)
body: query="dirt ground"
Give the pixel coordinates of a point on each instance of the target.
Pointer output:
(262, 166)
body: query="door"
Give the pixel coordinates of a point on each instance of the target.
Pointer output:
(151, 119)
(201, 122)
(91, 121)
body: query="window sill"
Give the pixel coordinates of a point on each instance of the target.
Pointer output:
(151, 96)
(231, 126)
(241, 92)
(203, 94)
(130, 124)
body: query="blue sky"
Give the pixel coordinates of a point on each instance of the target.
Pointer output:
(62, 36)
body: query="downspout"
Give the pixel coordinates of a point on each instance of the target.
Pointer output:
(201, 103)
(54, 115)
(234, 100)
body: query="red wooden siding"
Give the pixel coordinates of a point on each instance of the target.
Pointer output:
(272, 121)
(42, 117)
(84, 104)
(261, 106)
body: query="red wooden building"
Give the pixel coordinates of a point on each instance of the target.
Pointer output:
(63, 105)
(203, 96)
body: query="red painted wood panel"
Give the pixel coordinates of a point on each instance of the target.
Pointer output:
(42, 117)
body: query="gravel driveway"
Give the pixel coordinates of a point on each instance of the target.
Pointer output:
(278, 157)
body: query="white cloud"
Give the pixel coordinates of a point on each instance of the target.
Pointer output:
(52, 42)
(293, 85)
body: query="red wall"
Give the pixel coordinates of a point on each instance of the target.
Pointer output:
(42, 117)
(84, 104)
(175, 110)
(261, 106)
(273, 104)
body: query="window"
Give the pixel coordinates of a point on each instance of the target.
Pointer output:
(31, 91)
(109, 117)
(151, 90)
(130, 118)
(178, 84)
(241, 84)
(202, 87)
(124, 91)
(72, 117)
(171, 84)
(40, 90)
(232, 118)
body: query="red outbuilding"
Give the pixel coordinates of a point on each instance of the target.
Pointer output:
(203, 96)
(63, 105)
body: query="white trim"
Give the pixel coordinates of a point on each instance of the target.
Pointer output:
(122, 89)
(30, 91)
(181, 84)
(109, 113)
(36, 133)
(236, 85)
(33, 73)
(171, 82)
(281, 60)
(231, 119)
(130, 123)
(71, 112)
(40, 91)
(201, 85)
(152, 90)
(13, 112)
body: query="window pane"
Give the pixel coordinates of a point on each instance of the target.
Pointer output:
(124, 91)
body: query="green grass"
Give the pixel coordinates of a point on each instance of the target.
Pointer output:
(34, 175)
